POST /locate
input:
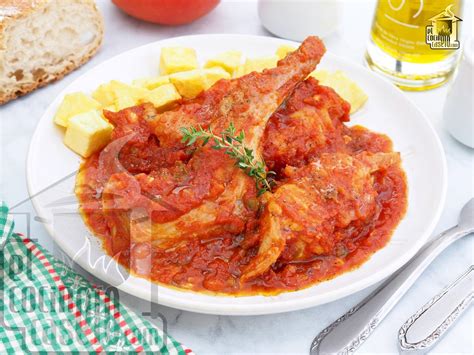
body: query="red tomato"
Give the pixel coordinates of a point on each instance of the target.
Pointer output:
(167, 12)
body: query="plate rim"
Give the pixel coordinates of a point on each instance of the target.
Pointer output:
(260, 308)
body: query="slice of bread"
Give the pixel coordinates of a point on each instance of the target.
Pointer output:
(43, 40)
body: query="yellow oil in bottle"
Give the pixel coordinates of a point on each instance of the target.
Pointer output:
(415, 42)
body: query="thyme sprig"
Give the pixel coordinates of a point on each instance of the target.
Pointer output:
(233, 145)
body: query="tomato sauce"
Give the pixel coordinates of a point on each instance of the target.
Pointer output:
(215, 264)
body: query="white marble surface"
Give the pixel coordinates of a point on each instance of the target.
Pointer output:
(281, 333)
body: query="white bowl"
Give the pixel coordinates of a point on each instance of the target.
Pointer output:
(297, 19)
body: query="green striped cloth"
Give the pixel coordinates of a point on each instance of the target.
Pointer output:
(46, 307)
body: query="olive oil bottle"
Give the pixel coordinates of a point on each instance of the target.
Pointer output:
(415, 43)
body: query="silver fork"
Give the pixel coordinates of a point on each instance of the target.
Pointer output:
(350, 331)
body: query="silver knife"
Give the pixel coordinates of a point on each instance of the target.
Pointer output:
(423, 329)
(348, 332)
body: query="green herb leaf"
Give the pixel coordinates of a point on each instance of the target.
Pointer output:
(233, 145)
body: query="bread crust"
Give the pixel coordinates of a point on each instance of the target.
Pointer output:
(11, 10)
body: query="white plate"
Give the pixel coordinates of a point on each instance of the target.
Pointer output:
(388, 110)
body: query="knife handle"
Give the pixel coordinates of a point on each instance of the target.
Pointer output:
(351, 330)
(423, 329)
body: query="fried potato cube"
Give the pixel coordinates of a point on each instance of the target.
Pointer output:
(229, 61)
(163, 96)
(111, 108)
(125, 95)
(177, 59)
(87, 133)
(240, 71)
(118, 94)
(189, 83)
(124, 101)
(283, 50)
(73, 104)
(128, 95)
(259, 64)
(151, 83)
(104, 94)
(214, 74)
(345, 87)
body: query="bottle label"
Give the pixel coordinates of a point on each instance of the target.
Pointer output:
(417, 31)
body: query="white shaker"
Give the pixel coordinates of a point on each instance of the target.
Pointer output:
(297, 19)
(458, 110)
